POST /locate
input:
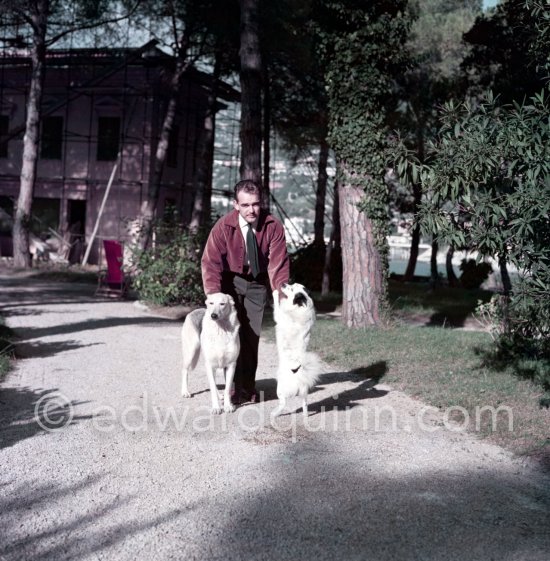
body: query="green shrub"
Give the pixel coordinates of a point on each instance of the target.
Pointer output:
(487, 188)
(474, 274)
(520, 328)
(170, 273)
(6, 348)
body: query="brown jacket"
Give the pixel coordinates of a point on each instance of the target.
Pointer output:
(225, 251)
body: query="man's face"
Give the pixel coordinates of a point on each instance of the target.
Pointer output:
(248, 206)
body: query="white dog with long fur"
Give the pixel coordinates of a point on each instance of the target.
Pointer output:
(215, 332)
(294, 318)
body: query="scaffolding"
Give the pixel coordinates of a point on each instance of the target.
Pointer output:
(80, 84)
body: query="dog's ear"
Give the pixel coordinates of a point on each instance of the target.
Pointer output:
(300, 299)
(230, 300)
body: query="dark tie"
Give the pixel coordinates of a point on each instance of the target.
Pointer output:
(252, 248)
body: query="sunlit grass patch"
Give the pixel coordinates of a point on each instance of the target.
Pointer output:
(442, 368)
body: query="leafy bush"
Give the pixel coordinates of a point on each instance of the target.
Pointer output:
(6, 348)
(488, 189)
(519, 342)
(170, 273)
(474, 274)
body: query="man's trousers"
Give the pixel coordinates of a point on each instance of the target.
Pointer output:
(250, 297)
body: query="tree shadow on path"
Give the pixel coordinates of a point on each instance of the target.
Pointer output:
(360, 512)
(366, 378)
(78, 531)
(26, 412)
(88, 325)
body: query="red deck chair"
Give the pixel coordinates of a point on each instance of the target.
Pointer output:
(112, 280)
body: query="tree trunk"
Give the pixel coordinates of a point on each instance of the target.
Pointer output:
(149, 205)
(333, 242)
(415, 237)
(320, 195)
(413, 255)
(266, 135)
(364, 290)
(505, 277)
(203, 194)
(21, 223)
(451, 277)
(506, 293)
(251, 95)
(434, 275)
(417, 200)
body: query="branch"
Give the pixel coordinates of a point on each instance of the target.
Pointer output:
(174, 29)
(59, 36)
(18, 12)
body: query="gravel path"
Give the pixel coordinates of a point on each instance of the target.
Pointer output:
(140, 473)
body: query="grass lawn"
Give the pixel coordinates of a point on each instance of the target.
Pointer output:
(442, 367)
(445, 306)
(417, 303)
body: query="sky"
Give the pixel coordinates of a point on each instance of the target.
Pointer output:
(489, 3)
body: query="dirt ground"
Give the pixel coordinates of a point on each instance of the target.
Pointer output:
(100, 458)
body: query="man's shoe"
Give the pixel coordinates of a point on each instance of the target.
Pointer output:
(236, 396)
(252, 396)
(240, 396)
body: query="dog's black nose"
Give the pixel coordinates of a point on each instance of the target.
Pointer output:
(214, 316)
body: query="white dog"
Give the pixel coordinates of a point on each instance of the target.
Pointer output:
(294, 318)
(215, 331)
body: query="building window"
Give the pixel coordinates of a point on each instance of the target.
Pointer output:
(51, 143)
(4, 128)
(45, 216)
(6, 215)
(108, 138)
(173, 141)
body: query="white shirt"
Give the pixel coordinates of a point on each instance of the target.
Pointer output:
(243, 224)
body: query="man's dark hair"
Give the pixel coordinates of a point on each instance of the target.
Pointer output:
(248, 186)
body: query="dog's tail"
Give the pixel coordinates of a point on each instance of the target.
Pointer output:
(191, 338)
(313, 368)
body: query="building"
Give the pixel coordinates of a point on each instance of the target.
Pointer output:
(100, 108)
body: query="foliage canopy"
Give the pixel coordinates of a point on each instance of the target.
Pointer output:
(488, 188)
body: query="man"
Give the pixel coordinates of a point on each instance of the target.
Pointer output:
(245, 255)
